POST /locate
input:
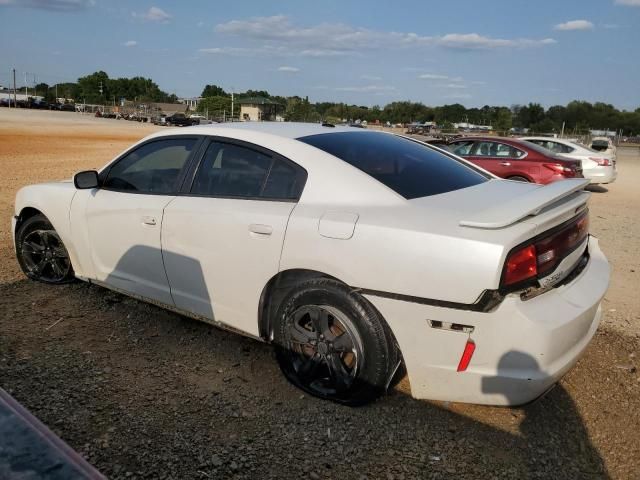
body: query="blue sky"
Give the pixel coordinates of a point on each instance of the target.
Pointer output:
(495, 52)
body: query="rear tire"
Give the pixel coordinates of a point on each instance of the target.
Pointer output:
(333, 344)
(41, 253)
(519, 179)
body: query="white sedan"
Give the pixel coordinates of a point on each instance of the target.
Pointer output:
(598, 167)
(360, 255)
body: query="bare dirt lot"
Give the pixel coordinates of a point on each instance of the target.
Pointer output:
(144, 393)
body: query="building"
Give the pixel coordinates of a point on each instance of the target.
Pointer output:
(192, 102)
(169, 108)
(256, 109)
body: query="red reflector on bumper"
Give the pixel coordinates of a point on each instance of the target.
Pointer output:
(469, 348)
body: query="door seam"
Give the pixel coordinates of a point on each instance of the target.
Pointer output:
(164, 266)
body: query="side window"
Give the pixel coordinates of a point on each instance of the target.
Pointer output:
(462, 148)
(561, 148)
(151, 168)
(484, 149)
(283, 181)
(496, 149)
(229, 170)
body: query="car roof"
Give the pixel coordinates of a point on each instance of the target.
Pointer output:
(514, 141)
(549, 139)
(292, 130)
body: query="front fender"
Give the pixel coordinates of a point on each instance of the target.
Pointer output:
(53, 200)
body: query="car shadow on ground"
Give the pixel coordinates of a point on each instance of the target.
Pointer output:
(596, 189)
(143, 392)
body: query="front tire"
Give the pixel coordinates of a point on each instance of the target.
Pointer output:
(519, 179)
(41, 253)
(331, 343)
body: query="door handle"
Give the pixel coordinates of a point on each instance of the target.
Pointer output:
(505, 164)
(148, 220)
(261, 229)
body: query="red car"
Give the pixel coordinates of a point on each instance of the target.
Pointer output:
(516, 159)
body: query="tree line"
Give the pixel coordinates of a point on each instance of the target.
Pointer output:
(98, 88)
(577, 116)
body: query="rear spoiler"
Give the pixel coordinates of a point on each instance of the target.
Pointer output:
(531, 203)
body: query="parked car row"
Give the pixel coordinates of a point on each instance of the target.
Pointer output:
(38, 105)
(534, 159)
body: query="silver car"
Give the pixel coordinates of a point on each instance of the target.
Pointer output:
(598, 167)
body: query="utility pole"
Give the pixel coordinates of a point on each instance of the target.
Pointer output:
(232, 105)
(26, 92)
(15, 100)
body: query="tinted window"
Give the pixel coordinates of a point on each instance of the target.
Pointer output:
(462, 148)
(495, 149)
(152, 168)
(410, 168)
(233, 171)
(553, 146)
(282, 181)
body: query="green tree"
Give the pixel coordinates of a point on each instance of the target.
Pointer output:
(215, 106)
(502, 121)
(213, 91)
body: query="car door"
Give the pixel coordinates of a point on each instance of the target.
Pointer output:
(223, 236)
(124, 216)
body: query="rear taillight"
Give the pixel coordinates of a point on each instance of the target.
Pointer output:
(603, 162)
(561, 169)
(521, 265)
(545, 253)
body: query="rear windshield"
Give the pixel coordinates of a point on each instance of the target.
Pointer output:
(409, 168)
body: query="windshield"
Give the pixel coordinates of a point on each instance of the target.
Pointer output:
(408, 167)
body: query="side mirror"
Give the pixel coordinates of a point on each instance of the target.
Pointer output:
(86, 179)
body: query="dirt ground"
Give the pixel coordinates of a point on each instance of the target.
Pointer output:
(145, 393)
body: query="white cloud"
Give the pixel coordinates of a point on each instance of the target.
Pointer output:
(55, 5)
(610, 26)
(574, 25)
(130, 43)
(629, 3)
(154, 14)
(452, 85)
(285, 68)
(367, 89)
(245, 51)
(474, 41)
(372, 78)
(458, 96)
(336, 39)
(432, 76)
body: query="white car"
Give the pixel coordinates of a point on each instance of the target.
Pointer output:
(358, 254)
(604, 145)
(598, 167)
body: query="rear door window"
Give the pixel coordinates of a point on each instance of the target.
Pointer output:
(230, 170)
(496, 149)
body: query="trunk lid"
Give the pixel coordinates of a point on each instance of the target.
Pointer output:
(529, 203)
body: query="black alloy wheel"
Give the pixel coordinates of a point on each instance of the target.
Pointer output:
(333, 344)
(41, 253)
(324, 348)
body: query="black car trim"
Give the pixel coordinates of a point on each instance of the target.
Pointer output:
(488, 301)
(104, 173)
(192, 170)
